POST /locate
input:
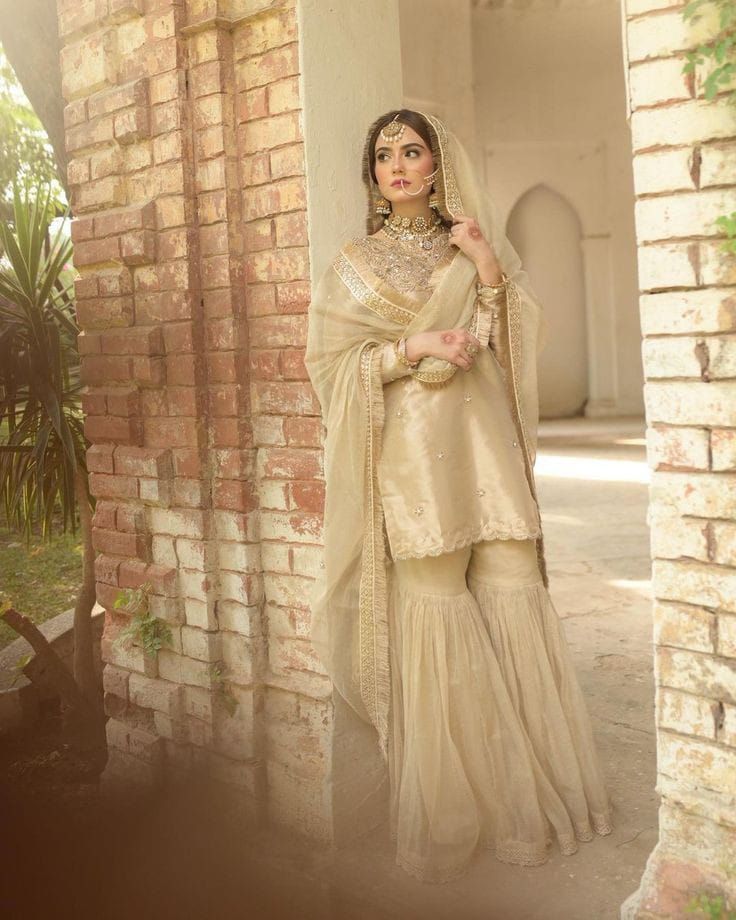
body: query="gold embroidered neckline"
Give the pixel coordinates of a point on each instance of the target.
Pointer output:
(406, 267)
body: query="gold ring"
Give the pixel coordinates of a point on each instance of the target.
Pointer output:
(471, 349)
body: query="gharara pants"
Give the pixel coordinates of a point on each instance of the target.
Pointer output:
(491, 743)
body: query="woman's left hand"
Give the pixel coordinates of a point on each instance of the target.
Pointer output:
(467, 236)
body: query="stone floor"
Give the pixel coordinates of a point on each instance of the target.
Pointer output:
(592, 482)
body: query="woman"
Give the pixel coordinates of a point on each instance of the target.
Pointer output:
(431, 613)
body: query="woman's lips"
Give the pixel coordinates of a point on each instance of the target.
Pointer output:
(398, 182)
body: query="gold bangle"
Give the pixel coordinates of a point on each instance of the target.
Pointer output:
(400, 349)
(496, 288)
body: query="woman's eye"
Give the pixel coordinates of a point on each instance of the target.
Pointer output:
(410, 152)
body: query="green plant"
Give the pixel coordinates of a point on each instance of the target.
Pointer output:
(720, 52)
(713, 907)
(43, 476)
(148, 631)
(218, 675)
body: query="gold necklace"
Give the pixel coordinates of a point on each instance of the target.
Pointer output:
(413, 229)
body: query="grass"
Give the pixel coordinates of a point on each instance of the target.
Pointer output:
(41, 579)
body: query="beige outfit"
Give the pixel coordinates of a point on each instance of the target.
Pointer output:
(429, 614)
(491, 742)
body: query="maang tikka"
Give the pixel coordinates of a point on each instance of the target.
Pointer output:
(393, 130)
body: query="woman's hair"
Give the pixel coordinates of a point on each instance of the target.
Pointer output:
(407, 117)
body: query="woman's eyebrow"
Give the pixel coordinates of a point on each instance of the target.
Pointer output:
(403, 146)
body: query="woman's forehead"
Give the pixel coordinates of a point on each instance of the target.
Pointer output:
(408, 136)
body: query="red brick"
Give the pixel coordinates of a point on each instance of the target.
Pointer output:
(255, 170)
(287, 161)
(271, 66)
(223, 367)
(292, 364)
(171, 432)
(234, 495)
(99, 459)
(105, 369)
(106, 569)
(89, 343)
(259, 235)
(276, 198)
(224, 399)
(124, 401)
(130, 519)
(288, 398)
(261, 299)
(303, 432)
(277, 331)
(105, 312)
(137, 340)
(307, 496)
(124, 220)
(132, 125)
(187, 463)
(92, 252)
(219, 303)
(213, 239)
(182, 370)
(264, 365)
(286, 463)
(291, 229)
(227, 432)
(221, 334)
(90, 133)
(104, 514)
(130, 94)
(132, 573)
(116, 543)
(138, 247)
(277, 265)
(94, 402)
(106, 486)
(75, 113)
(143, 461)
(100, 428)
(82, 229)
(115, 282)
(149, 371)
(182, 401)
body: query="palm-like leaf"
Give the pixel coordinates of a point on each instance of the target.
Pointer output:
(41, 426)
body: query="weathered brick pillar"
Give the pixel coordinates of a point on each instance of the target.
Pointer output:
(684, 156)
(187, 176)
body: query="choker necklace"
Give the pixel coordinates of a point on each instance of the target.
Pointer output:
(413, 229)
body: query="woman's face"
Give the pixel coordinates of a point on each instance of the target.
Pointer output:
(402, 164)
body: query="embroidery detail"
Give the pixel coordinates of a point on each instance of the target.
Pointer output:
(406, 268)
(366, 295)
(373, 638)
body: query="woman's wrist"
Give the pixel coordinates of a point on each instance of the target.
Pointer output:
(415, 350)
(490, 272)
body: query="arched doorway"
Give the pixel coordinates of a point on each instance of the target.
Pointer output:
(538, 217)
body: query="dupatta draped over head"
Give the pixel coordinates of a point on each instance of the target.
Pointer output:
(350, 320)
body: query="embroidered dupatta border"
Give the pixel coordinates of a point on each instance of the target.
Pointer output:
(514, 341)
(375, 676)
(366, 295)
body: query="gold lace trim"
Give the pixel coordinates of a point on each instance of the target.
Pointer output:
(375, 677)
(366, 295)
(513, 330)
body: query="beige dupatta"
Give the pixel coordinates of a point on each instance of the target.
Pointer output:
(351, 317)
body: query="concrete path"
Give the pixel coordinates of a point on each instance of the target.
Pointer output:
(592, 482)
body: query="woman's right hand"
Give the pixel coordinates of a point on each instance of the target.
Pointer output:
(449, 344)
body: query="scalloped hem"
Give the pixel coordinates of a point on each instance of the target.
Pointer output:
(490, 531)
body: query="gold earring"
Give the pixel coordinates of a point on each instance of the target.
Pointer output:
(434, 201)
(383, 206)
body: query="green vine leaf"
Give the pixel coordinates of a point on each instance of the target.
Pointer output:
(149, 632)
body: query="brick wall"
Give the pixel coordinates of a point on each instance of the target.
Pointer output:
(685, 176)
(187, 178)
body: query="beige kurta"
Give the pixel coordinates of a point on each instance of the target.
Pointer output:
(451, 471)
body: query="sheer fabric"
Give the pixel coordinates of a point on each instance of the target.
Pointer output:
(491, 742)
